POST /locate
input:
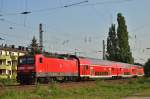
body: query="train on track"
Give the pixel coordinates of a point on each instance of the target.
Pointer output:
(64, 67)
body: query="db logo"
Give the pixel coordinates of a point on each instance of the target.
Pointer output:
(60, 66)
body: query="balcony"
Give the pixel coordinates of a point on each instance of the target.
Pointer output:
(3, 76)
(7, 67)
(14, 67)
(3, 57)
(14, 57)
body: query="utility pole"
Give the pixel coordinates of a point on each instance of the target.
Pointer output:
(75, 51)
(41, 37)
(104, 54)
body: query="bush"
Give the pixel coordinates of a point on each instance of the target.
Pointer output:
(147, 68)
(4, 82)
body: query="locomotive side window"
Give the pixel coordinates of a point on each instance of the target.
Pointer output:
(41, 60)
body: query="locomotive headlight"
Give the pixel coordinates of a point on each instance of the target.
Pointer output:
(31, 67)
(21, 68)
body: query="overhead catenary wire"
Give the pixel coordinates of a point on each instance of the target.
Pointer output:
(81, 3)
(28, 12)
(50, 9)
(17, 24)
(105, 2)
(55, 8)
(6, 35)
(74, 4)
(28, 27)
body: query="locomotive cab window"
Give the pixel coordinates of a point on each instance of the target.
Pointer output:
(26, 60)
(30, 60)
(40, 59)
(22, 60)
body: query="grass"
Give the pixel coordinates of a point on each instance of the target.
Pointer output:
(5, 82)
(101, 90)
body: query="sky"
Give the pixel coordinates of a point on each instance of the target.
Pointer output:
(78, 28)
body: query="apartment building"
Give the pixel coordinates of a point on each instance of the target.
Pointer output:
(8, 60)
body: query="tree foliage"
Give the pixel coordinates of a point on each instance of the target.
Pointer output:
(118, 48)
(34, 46)
(147, 68)
(34, 43)
(112, 43)
(125, 54)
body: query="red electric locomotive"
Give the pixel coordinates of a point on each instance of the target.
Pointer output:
(38, 67)
(42, 67)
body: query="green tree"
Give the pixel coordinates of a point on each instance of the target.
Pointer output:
(34, 43)
(34, 46)
(124, 53)
(112, 44)
(147, 68)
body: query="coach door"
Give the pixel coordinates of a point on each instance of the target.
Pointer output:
(85, 69)
(92, 72)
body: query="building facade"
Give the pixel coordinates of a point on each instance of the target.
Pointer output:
(8, 61)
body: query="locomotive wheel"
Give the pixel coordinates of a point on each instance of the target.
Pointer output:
(22, 82)
(74, 79)
(25, 82)
(60, 79)
(42, 80)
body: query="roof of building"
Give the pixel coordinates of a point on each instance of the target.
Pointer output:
(13, 49)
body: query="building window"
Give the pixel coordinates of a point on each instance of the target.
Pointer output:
(14, 63)
(0, 52)
(9, 62)
(9, 72)
(1, 62)
(0, 71)
(10, 53)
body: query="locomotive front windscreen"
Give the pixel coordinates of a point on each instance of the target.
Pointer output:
(26, 60)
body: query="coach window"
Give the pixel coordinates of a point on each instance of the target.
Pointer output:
(113, 69)
(133, 70)
(41, 60)
(87, 67)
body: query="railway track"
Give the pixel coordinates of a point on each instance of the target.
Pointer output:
(66, 84)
